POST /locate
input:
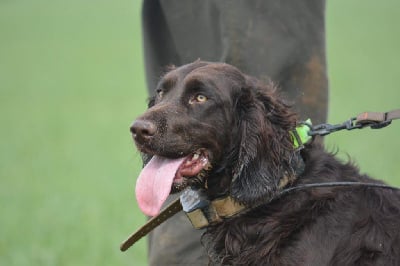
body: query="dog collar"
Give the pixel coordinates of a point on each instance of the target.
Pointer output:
(203, 212)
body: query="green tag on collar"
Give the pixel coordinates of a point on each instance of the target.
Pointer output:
(300, 135)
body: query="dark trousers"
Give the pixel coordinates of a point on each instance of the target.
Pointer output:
(279, 40)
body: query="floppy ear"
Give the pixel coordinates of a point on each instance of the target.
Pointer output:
(265, 152)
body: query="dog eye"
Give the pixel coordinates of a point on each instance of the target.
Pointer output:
(200, 98)
(160, 93)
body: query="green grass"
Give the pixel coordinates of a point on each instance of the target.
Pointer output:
(71, 82)
(364, 66)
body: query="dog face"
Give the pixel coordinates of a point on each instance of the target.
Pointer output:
(187, 114)
(211, 126)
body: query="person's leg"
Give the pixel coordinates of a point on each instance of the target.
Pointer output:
(280, 40)
(176, 242)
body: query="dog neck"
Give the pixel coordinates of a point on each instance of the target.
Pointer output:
(203, 212)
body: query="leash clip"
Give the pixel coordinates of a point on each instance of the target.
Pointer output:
(325, 129)
(375, 120)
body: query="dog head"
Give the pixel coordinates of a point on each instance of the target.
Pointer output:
(211, 126)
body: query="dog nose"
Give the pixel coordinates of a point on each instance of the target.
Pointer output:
(143, 129)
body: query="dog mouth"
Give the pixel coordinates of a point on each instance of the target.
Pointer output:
(162, 176)
(192, 171)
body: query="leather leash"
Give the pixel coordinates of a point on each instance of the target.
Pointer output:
(164, 215)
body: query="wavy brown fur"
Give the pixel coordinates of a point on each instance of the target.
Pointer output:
(323, 226)
(245, 126)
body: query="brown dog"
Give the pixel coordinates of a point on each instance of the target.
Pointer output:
(212, 128)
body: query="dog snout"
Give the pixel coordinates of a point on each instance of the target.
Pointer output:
(143, 129)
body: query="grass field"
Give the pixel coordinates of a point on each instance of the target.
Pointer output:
(71, 82)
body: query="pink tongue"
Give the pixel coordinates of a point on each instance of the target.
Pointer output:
(154, 183)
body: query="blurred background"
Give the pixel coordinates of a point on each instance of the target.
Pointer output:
(72, 81)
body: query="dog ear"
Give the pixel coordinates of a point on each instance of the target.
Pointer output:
(265, 152)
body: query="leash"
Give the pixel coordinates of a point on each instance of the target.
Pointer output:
(374, 120)
(164, 215)
(334, 184)
(301, 135)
